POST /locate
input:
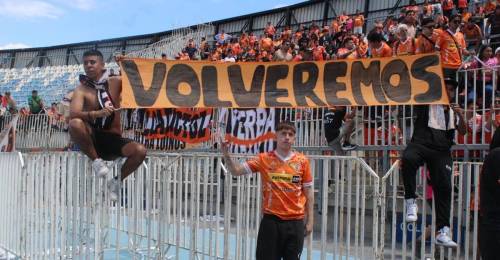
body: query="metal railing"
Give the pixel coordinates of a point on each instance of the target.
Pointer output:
(186, 206)
(178, 206)
(417, 240)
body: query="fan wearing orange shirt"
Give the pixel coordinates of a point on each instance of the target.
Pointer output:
(270, 30)
(462, 5)
(286, 34)
(404, 45)
(427, 40)
(288, 196)
(266, 43)
(378, 48)
(448, 7)
(343, 18)
(473, 35)
(319, 52)
(244, 41)
(359, 21)
(349, 51)
(451, 45)
(335, 26)
(252, 39)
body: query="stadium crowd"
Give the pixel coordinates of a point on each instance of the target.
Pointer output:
(454, 28)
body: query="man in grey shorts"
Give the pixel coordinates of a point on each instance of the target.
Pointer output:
(339, 126)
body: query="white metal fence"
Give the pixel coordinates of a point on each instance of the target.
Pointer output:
(403, 240)
(185, 207)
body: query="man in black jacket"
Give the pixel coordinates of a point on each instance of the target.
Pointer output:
(489, 214)
(431, 143)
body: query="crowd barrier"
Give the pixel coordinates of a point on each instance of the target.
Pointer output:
(185, 206)
(417, 240)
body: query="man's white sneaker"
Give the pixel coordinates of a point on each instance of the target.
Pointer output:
(100, 168)
(114, 188)
(443, 238)
(411, 210)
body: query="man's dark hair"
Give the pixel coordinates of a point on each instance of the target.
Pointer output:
(375, 37)
(34, 91)
(93, 53)
(286, 125)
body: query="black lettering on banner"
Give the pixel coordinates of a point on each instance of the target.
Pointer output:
(143, 97)
(334, 70)
(210, 91)
(247, 125)
(418, 71)
(367, 76)
(402, 92)
(272, 93)
(244, 98)
(305, 89)
(182, 125)
(182, 73)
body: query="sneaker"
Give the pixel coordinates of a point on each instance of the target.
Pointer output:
(443, 238)
(100, 168)
(349, 146)
(114, 188)
(411, 210)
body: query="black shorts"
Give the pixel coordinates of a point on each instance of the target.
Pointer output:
(108, 145)
(280, 239)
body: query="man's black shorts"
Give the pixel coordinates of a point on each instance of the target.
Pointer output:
(280, 239)
(108, 145)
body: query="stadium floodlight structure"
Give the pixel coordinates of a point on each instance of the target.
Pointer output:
(173, 43)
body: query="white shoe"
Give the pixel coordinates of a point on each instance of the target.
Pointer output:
(114, 188)
(443, 238)
(411, 210)
(100, 168)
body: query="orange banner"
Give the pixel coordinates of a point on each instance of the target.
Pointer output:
(413, 79)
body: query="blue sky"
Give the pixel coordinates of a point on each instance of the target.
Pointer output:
(39, 23)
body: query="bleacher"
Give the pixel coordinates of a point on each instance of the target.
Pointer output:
(51, 82)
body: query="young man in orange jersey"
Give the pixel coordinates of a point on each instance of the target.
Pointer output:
(378, 47)
(451, 45)
(288, 197)
(348, 51)
(427, 40)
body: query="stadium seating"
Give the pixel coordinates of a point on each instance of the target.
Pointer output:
(52, 83)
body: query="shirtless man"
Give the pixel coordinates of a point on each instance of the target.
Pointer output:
(95, 122)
